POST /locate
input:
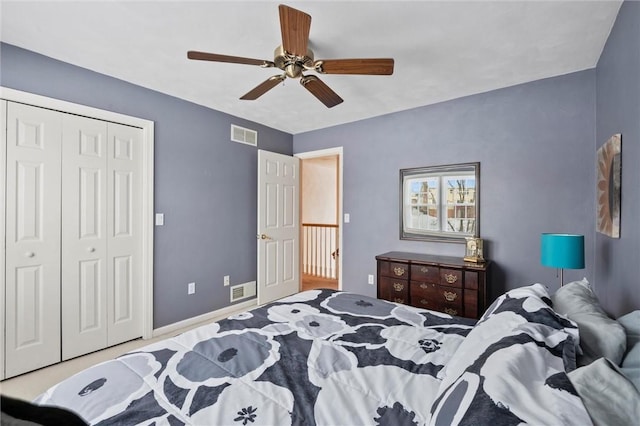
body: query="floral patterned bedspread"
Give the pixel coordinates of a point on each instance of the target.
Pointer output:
(328, 358)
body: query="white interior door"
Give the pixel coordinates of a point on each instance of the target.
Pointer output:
(32, 238)
(84, 231)
(124, 229)
(278, 226)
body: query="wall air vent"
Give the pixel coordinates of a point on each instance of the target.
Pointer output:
(242, 291)
(242, 135)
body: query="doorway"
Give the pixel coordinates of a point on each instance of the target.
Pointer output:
(320, 213)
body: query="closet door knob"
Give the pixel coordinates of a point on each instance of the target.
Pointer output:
(29, 254)
(91, 249)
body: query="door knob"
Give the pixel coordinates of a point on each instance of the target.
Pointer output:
(263, 237)
(29, 254)
(91, 249)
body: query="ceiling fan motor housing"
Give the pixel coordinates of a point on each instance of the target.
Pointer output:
(292, 65)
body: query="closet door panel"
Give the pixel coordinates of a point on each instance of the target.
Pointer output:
(32, 280)
(124, 230)
(3, 162)
(84, 236)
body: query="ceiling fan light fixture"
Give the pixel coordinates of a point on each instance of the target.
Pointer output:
(292, 65)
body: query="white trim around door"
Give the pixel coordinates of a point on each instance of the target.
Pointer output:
(325, 153)
(146, 214)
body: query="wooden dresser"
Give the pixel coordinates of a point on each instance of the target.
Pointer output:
(440, 283)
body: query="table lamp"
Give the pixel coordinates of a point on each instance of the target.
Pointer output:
(562, 251)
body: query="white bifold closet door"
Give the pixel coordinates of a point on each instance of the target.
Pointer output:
(100, 235)
(33, 207)
(124, 230)
(84, 236)
(73, 236)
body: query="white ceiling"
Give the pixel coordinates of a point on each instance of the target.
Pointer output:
(442, 49)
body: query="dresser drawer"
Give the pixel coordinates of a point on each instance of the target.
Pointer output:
(471, 303)
(451, 310)
(425, 273)
(394, 269)
(424, 295)
(470, 280)
(450, 296)
(451, 277)
(420, 287)
(395, 290)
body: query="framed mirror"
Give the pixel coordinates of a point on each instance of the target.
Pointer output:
(440, 203)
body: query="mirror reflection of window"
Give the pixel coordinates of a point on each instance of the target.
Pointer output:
(440, 202)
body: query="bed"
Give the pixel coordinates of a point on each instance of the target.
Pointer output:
(325, 357)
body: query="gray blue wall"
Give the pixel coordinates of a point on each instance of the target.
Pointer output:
(535, 145)
(617, 265)
(204, 184)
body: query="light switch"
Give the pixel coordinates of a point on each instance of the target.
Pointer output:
(159, 219)
(347, 218)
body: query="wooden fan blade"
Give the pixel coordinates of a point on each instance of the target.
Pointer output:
(320, 90)
(204, 56)
(375, 66)
(263, 87)
(295, 26)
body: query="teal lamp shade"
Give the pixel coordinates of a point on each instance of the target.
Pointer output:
(562, 251)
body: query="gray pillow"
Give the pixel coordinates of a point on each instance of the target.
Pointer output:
(633, 375)
(631, 361)
(610, 399)
(600, 336)
(631, 324)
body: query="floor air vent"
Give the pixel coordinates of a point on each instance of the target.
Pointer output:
(242, 135)
(242, 291)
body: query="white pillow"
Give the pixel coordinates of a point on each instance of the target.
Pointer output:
(600, 336)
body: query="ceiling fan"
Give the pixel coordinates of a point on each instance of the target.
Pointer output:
(294, 57)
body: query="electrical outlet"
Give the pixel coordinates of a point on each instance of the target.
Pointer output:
(226, 280)
(370, 280)
(191, 288)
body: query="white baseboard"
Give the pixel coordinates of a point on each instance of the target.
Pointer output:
(224, 312)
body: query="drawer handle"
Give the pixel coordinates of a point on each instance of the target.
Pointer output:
(398, 286)
(398, 300)
(449, 296)
(424, 302)
(450, 278)
(450, 311)
(424, 269)
(398, 271)
(424, 286)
